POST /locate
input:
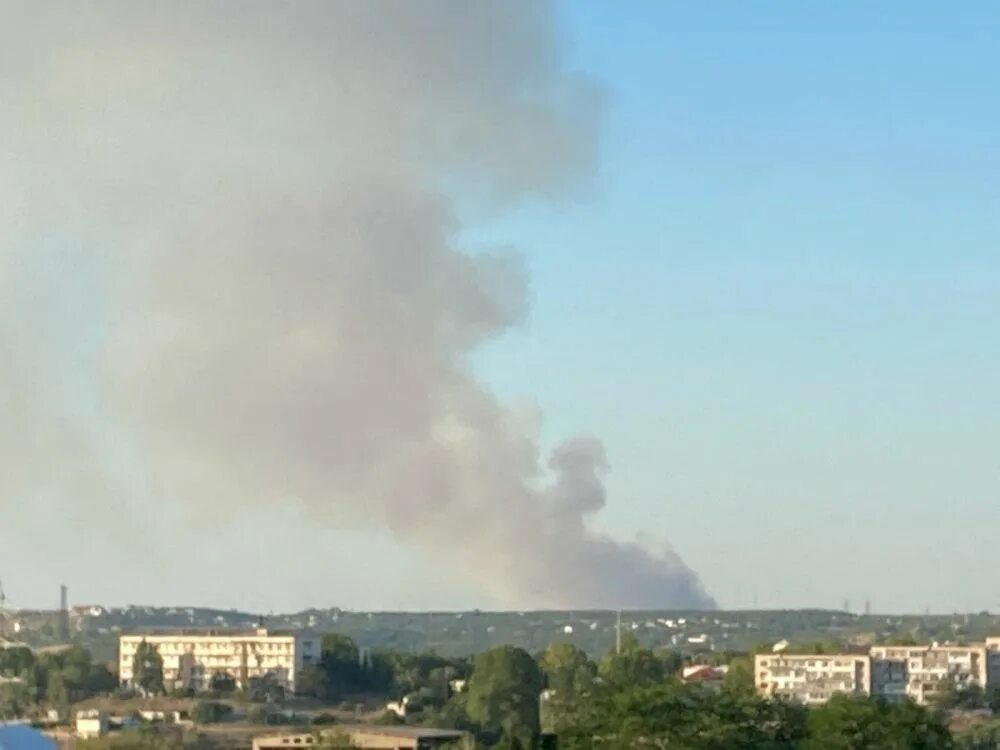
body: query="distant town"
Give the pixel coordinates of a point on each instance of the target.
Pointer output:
(219, 678)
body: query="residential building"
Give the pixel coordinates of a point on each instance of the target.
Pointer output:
(706, 675)
(920, 672)
(191, 658)
(993, 660)
(812, 679)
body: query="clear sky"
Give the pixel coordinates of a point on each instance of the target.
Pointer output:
(777, 303)
(781, 307)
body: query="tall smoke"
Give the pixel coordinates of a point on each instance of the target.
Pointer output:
(260, 202)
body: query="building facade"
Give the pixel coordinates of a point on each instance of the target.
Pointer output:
(896, 673)
(369, 738)
(812, 679)
(993, 660)
(920, 672)
(192, 658)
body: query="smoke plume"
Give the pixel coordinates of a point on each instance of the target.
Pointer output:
(237, 224)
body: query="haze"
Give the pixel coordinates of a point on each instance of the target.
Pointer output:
(446, 305)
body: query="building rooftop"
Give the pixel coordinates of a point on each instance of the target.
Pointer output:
(416, 733)
(211, 632)
(397, 732)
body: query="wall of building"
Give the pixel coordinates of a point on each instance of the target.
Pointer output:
(920, 672)
(191, 659)
(812, 678)
(893, 672)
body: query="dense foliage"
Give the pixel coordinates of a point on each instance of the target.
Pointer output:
(509, 698)
(52, 678)
(147, 669)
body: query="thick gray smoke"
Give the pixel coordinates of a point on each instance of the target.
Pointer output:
(262, 201)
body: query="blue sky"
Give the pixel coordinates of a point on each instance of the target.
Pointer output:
(778, 304)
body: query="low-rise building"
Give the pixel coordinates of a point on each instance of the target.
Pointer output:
(920, 672)
(706, 675)
(191, 658)
(369, 737)
(91, 724)
(812, 679)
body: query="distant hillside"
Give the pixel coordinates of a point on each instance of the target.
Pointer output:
(457, 633)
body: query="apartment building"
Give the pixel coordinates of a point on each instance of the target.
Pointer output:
(920, 672)
(993, 660)
(812, 679)
(191, 658)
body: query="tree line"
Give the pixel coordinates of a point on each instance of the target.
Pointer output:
(54, 678)
(510, 699)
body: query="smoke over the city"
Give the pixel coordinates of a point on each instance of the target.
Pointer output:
(235, 225)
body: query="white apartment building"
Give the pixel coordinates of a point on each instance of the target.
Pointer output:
(812, 679)
(919, 672)
(192, 657)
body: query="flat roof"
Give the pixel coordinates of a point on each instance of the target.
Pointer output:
(212, 632)
(402, 732)
(786, 655)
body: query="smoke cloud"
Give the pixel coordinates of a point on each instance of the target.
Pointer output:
(256, 207)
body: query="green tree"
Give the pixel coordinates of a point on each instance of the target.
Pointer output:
(503, 695)
(15, 699)
(851, 723)
(312, 681)
(740, 676)
(633, 666)
(669, 714)
(147, 669)
(222, 682)
(340, 661)
(259, 715)
(265, 689)
(993, 699)
(210, 712)
(568, 670)
(570, 678)
(56, 693)
(15, 662)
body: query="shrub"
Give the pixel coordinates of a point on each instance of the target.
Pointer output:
(210, 712)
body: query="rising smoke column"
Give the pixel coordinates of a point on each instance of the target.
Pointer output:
(276, 190)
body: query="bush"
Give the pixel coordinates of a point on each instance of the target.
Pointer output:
(210, 712)
(258, 715)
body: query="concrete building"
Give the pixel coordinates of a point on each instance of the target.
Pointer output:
(192, 657)
(812, 679)
(919, 672)
(706, 675)
(91, 724)
(369, 737)
(993, 660)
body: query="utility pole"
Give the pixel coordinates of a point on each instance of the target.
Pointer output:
(618, 634)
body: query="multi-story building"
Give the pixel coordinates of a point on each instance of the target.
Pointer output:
(993, 660)
(920, 672)
(191, 658)
(812, 679)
